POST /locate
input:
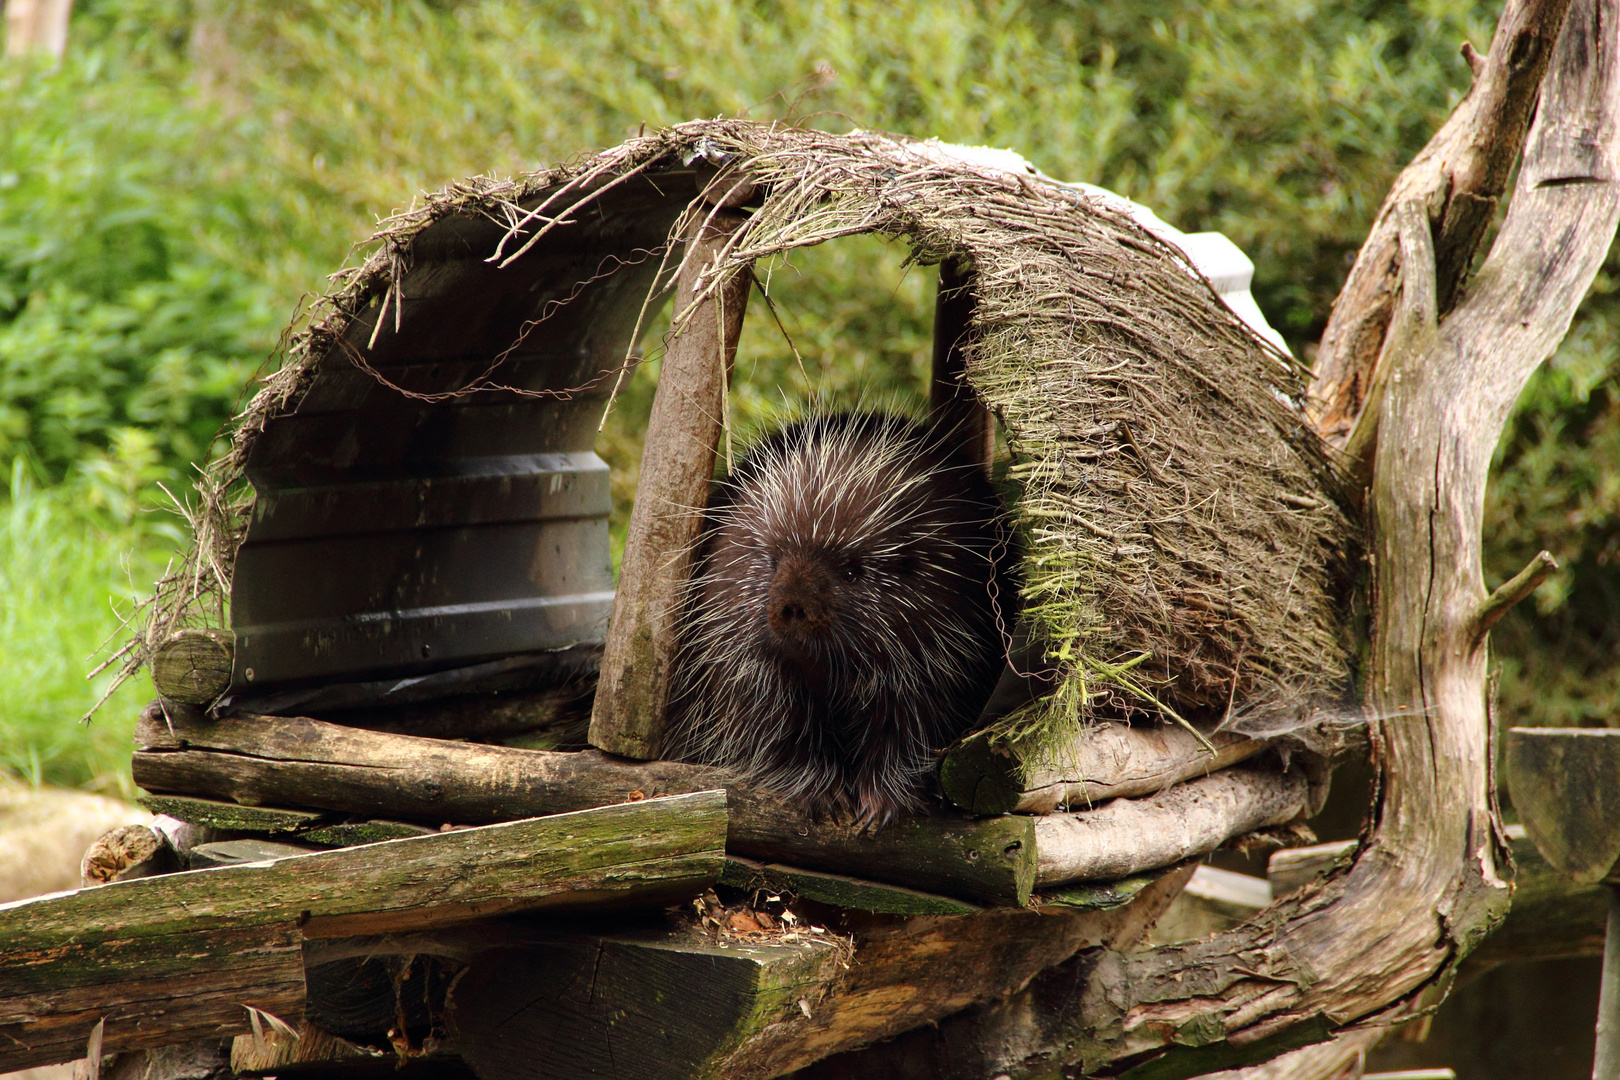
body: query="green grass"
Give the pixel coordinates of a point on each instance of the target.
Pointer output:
(72, 559)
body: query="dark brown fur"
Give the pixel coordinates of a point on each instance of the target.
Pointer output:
(844, 619)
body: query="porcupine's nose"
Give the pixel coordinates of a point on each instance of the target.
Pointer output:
(798, 604)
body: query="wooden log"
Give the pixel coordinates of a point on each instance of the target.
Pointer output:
(1129, 836)
(677, 465)
(954, 409)
(178, 957)
(301, 762)
(1107, 761)
(678, 1005)
(193, 666)
(294, 761)
(988, 861)
(129, 851)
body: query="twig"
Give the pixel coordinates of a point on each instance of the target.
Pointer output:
(1510, 592)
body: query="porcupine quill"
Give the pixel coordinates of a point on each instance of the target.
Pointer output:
(844, 619)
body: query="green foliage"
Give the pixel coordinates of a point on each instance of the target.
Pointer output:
(118, 305)
(73, 558)
(192, 169)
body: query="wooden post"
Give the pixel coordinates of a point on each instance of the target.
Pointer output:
(953, 406)
(677, 465)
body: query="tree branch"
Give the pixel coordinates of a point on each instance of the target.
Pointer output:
(1458, 178)
(1510, 592)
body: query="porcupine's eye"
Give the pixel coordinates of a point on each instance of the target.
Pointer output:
(853, 570)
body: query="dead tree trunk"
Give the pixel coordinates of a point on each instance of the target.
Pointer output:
(1380, 940)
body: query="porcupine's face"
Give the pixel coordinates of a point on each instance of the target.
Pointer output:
(841, 624)
(846, 547)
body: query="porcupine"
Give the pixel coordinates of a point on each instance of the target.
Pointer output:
(845, 614)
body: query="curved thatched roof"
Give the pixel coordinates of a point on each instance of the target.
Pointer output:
(1184, 538)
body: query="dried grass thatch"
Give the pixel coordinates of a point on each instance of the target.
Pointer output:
(1185, 545)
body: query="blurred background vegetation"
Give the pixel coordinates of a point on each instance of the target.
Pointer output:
(173, 189)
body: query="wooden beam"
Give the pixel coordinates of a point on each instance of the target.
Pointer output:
(677, 466)
(169, 959)
(193, 665)
(990, 860)
(1097, 763)
(837, 890)
(282, 761)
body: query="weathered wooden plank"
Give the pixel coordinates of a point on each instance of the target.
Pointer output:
(1107, 761)
(648, 1006)
(1128, 836)
(349, 833)
(172, 958)
(296, 761)
(1565, 784)
(195, 982)
(233, 817)
(838, 890)
(678, 1004)
(677, 465)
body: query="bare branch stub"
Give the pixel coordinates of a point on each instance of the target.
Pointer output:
(1458, 177)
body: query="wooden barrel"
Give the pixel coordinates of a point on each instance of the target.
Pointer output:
(403, 528)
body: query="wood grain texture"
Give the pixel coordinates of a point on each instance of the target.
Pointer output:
(838, 890)
(284, 761)
(1130, 836)
(1552, 914)
(293, 761)
(1565, 784)
(193, 666)
(677, 465)
(173, 958)
(1101, 762)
